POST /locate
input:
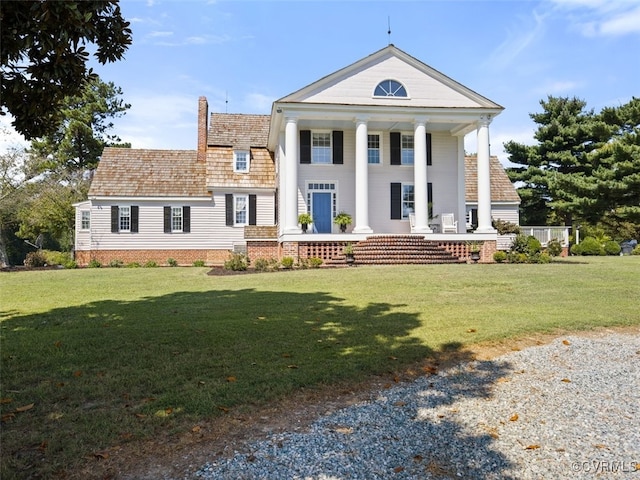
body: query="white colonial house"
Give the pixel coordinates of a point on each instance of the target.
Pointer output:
(381, 139)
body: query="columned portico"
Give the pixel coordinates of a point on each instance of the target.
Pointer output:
(291, 176)
(484, 177)
(362, 178)
(420, 192)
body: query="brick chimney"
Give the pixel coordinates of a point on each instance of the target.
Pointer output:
(203, 116)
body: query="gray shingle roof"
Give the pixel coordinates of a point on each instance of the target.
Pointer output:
(238, 130)
(149, 173)
(502, 190)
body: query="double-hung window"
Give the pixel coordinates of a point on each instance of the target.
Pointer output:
(241, 161)
(321, 147)
(85, 220)
(408, 203)
(406, 152)
(124, 222)
(373, 149)
(176, 219)
(240, 204)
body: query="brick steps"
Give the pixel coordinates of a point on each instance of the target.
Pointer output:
(398, 250)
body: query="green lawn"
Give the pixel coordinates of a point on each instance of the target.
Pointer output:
(96, 357)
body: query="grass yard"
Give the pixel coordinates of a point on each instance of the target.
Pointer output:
(97, 357)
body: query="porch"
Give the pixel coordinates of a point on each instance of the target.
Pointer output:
(378, 249)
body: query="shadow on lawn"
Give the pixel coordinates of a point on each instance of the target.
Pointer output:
(109, 372)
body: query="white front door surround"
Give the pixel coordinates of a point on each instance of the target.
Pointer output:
(361, 219)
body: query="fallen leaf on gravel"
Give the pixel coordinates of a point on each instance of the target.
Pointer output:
(472, 330)
(399, 404)
(532, 447)
(600, 445)
(566, 342)
(344, 430)
(566, 380)
(224, 409)
(398, 469)
(101, 455)
(513, 417)
(417, 458)
(503, 380)
(196, 429)
(430, 369)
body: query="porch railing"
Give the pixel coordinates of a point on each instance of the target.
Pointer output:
(545, 234)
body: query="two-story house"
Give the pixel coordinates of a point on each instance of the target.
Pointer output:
(381, 139)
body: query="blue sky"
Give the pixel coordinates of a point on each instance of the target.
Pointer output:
(250, 53)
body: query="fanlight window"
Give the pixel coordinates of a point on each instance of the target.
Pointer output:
(390, 88)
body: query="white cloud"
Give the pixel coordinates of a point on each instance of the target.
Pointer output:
(601, 18)
(519, 38)
(558, 87)
(159, 121)
(159, 34)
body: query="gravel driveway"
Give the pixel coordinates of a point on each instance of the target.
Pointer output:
(568, 409)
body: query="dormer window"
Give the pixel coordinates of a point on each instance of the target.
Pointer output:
(390, 88)
(241, 161)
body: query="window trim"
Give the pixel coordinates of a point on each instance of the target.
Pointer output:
(329, 147)
(235, 161)
(404, 135)
(236, 197)
(122, 217)
(85, 221)
(177, 213)
(380, 148)
(401, 86)
(402, 200)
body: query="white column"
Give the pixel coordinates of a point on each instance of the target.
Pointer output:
(462, 200)
(484, 177)
(291, 176)
(420, 192)
(362, 178)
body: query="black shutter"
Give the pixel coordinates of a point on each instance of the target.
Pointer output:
(135, 215)
(394, 140)
(396, 201)
(430, 199)
(253, 201)
(186, 219)
(305, 146)
(276, 207)
(167, 219)
(228, 204)
(337, 147)
(428, 149)
(115, 219)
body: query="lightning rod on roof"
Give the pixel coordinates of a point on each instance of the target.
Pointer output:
(226, 102)
(389, 29)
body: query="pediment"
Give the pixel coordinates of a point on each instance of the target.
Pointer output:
(356, 84)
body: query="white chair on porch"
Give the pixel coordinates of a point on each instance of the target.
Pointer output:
(448, 222)
(412, 221)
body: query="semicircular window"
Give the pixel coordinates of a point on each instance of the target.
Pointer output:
(390, 88)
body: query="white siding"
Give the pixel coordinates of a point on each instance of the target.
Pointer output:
(83, 237)
(442, 174)
(208, 226)
(423, 90)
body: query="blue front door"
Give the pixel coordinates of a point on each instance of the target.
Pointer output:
(321, 214)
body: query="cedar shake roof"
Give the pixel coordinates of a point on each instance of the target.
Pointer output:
(148, 173)
(238, 130)
(502, 190)
(262, 172)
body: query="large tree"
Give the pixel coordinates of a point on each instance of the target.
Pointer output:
(567, 133)
(41, 186)
(585, 166)
(77, 143)
(43, 55)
